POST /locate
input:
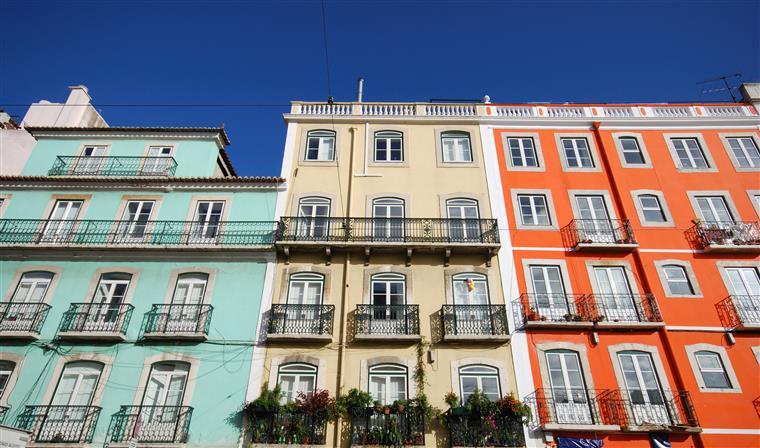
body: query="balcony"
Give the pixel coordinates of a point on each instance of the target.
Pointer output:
(113, 166)
(655, 410)
(576, 409)
(295, 322)
(726, 236)
(50, 233)
(95, 322)
(387, 322)
(269, 427)
(149, 425)
(3, 412)
(740, 312)
(553, 311)
(60, 424)
(628, 311)
(395, 428)
(599, 235)
(472, 429)
(178, 322)
(474, 323)
(22, 320)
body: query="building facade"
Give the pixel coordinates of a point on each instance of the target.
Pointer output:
(134, 262)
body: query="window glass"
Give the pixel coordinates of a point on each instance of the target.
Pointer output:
(296, 378)
(32, 287)
(577, 153)
(745, 151)
(678, 280)
(651, 208)
(631, 151)
(533, 210)
(456, 147)
(6, 370)
(714, 209)
(712, 370)
(484, 379)
(388, 383)
(389, 146)
(522, 152)
(320, 146)
(689, 153)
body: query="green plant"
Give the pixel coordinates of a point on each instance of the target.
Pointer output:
(479, 404)
(353, 402)
(419, 369)
(318, 404)
(451, 399)
(268, 401)
(510, 406)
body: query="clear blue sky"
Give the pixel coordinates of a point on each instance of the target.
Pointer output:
(267, 52)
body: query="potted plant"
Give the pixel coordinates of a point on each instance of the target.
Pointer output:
(451, 399)
(378, 406)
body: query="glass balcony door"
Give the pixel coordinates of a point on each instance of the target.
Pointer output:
(91, 161)
(745, 288)
(304, 298)
(161, 402)
(643, 389)
(134, 223)
(388, 219)
(464, 222)
(61, 221)
(549, 289)
(595, 225)
(388, 300)
(73, 394)
(24, 307)
(313, 216)
(185, 309)
(615, 294)
(571, 403)
(103, 314)
(158, 161)
(206, 225)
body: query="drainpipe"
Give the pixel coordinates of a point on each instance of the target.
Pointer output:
(664, 336)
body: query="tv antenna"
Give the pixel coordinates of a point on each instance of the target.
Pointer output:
(727, 87)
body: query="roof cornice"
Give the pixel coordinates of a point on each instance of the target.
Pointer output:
(158, 183)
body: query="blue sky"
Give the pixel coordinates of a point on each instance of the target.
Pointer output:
(267, 52)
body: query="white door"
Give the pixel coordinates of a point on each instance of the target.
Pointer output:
(207, 222)
(160, 404)
(615, 296)
(571, 403)
(68, 412)
(387, 383)
(106, 304)
(388, 219)
(295, 379)
(24, 307)
(388, 297)
(158, 161)
(643, 389)
(135, 223)
(313, 218)
(745, 289)
(303, 311)
(91, 161)
(464, 222)
(185, 310)
(550, 297)
(594, 225)
(61, 221)
(475, 318)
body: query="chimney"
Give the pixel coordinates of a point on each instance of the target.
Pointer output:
(751, 94)
(361, 90)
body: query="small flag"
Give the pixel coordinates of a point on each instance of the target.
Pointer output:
(470, 284)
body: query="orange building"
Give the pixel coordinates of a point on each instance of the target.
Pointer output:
(633, 231)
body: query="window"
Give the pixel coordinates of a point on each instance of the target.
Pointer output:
(305, 288)
(631, 151)
(642, 387)
(689, 153)
(158, 160)
(388, 218)
(61, 220)
(91, 160)
(320, 146)
(163, 396)
(615, 296)
(207, 221)
(651, 208)
(388, 296)
(712, 370)
(470, 289)
(484, 379)
(388, 383)
(464, 222)
(522, 152)
(32, 287)
(313, 213)
(534, 210)
(568, 387)
(295, 379)
(389, 146)
(714, 210)
(106, 302)
(745, 151)
(549, 290)
(6, 370)
(577, 153)
(456, 147)
(134, 222)
(677, 280)
(190, 289)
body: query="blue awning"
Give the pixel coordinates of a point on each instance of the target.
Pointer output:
(569, 442)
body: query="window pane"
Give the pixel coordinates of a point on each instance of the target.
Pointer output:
(631, 151)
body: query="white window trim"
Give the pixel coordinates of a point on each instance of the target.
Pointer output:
(691, 351)
(405, 145)
(303, 161)
(558, 137)
(474, 147)
(604, 193)
(724, 136)
(515, 192)
(168, 357)
(722, 265)
(13, 285)
(629, 274)
(669, 221)
(505, 136)
(616, 136)
(561, 263)
(653, 351)
(18, 362)
(276, 362)
(725, 194)
(702, 145)
(755, 202)
(409, 363)
(660, 265)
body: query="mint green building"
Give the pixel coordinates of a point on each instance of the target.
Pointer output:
(133, 263)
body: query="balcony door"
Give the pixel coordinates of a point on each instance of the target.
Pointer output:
(745, 289)
(388, 300)
(185, 309)
(134, 224)
(472, 310)
(387, 383)
(550, 297)
(158, 161)
(73, 394)
(24, 307)
(388, 219)
(595, 225)
(615, 297)
(464, 220)
(714, 211)
(91, 161)
(643, 389)
(304, 300)
(206, 224)
(160, 404)
(313, 218)
(568, 388)
(295, 379)
(103, 314)
(61, 221)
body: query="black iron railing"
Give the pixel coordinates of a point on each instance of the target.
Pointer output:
(658, 407)
(178, 319)
(283, 427)
(301, 319)
(552, 308)
(624, 308)
(151, 424)
(394, 428)
(602, 232)
(732, 234)
(576, 406)
(96, 318)
(108, 233)
(472, 429)
(59, 424)
(474, 320)
(113, 166)
(387, 320)
(389, 230)
(739, 310)
(22, 316)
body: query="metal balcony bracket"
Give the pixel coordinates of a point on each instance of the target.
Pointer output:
(409, 256)
(367, 253)
(489, 257)
(447, 257)
(286, 254)
(328, 256)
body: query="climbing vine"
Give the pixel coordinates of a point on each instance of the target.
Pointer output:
(419, 370)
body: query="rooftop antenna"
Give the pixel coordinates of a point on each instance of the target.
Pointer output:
(725, 79)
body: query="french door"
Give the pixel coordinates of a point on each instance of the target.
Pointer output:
(61, 221)
(161, 402)
(388, 219)
(571, 402)
(550, 297)
(91, 161)
(158, 161)
(106, 303)
(643, 389)
(69, 406)
(615, 296)
(388, 299)
(474, 318)
(185, 309)
(595, 225)
(714, 210)
(313, 218)
(24, 307)
(207, 222)
(464, 222)
(745, 288)
(135, 223)
(303, 312)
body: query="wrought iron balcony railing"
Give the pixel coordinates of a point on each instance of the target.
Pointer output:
(474, 320)
(113, 233)
(151, 424)
(22, 317)
(613, 308)
(396, 428)
(658, 408)
(468, 429)
(599, 234)
(113, 166)
(96, 318)
(576, 406)
(739, 311)
(388, 230)
(553, 308)
(3, 412)
(59, 424)
(298, 428)
(294, 319)
(728, 236)
(177, 320)
(388, 320)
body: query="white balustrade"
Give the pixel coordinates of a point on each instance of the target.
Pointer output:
(513, 111)
(565, 112)
(723, 111)
(388, 109)
(450, 110)
(618, 111)
(671, 111)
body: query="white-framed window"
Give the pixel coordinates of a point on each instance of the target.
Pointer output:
(61, 219)
(389, 146)
(470, 289)
(110, 294)
(32, 287)
(91, 160)
(207, 220)
(568, 387)
(296, 378)
(134, 222)
(714, 209)
(522, 152)
(643, 388)
(77, 383)
(190, 288)
(745, 281)
(388, 382)
(534, 210)
(677, 280)
(690, 154)
(163, 396)
(464, 218)
(745, 151)
(305, 288)
(6, 370)
(712, 370)
(388, 295)
(313, 217)
(456, 147)
(651, 208)
(388, 218)
(577, 152)
(320, 146)
(484, 379)
(549, 290)
(632, 151)
(158, 160)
